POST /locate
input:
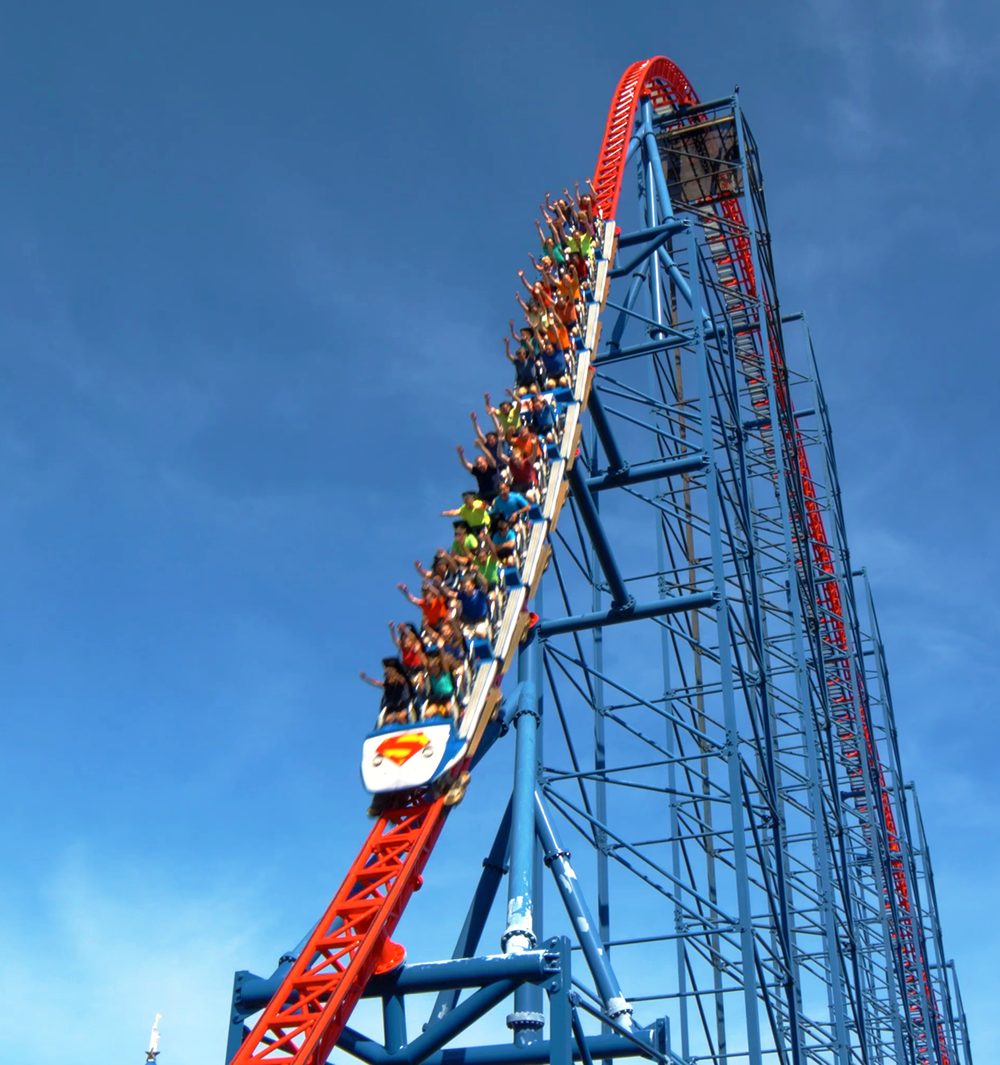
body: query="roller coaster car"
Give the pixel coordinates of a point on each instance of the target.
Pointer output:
(400, 757)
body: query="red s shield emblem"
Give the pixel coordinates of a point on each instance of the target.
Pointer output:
(400, 749)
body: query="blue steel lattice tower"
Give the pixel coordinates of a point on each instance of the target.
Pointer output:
(702, 712)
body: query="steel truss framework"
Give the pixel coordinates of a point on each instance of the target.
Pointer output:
(704, 716)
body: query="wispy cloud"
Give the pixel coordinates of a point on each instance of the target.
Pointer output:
(933, 40)
(112, 946)
(843, 29)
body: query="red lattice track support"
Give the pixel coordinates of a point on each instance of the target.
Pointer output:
(304, 1020)
(663, 81)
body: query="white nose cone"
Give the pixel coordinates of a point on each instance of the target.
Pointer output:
(405, 758)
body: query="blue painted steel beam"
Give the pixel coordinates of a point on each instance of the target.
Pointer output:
(605, 433)
(673, 604)
(255, 992)
(599, 538)
(529, 965)
(582, 1043)
(634, 288)
(528, 1018)
(633, 146)
(436, 1035)
(686, 110)
(560, 1011)
(652, 471)
(711, 327)
(640, 236)
(656, 245)
(760, 423)
(557, 860)
(616, 354)
(653, 154)
(394, 1022)
(494, 868)
(598, 1046)
(519, 934)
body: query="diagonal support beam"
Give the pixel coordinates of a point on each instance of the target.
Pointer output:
(602, 547)
(605, 432)
(494, 868)
(615, 1004)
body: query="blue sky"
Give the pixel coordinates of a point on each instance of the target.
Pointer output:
(255, 264)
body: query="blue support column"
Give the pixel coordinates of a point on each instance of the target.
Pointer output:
(394, 1022)
(519, 934)
(653, 153)
(560, 1011)
(600, 758)
(527, 1019)
(237, 1028)
(529, 999)
(725, 656)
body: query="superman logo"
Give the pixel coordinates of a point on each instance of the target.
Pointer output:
(402, 748)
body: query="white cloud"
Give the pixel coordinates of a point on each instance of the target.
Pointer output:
(110, 946)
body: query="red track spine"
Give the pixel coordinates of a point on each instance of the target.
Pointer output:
(307, 1014)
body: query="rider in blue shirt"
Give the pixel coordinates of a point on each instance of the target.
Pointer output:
(510, 505)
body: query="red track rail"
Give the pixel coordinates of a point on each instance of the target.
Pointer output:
(304, 1020)
(663, 81)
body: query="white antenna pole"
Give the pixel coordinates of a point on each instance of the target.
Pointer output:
(154, 1040)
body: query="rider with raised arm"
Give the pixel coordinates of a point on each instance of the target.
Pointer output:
(473, 511)
(397, 692)
(433, 604)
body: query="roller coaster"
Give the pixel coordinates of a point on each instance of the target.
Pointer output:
(720, 745)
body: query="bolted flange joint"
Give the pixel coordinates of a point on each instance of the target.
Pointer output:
(520, 1021)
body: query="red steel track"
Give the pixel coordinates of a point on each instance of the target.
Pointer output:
(664, 83)
(307, 1014)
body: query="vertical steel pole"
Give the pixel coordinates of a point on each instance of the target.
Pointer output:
(732, 745)
(656, 179)
(600, 756)
(524, 879)
(770, 343)
(600, 749)
(519, 933)
(532, 997)
(394, 1022)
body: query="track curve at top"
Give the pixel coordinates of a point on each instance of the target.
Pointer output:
(664, 82)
